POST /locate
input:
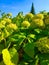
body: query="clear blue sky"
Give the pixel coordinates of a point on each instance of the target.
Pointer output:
(15, 6)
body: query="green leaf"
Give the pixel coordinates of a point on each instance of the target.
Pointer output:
(29, 49)
(1, 47)
(36, 60)
(1, 63)
(14, 55)
(27, 58)
(19, 41)
(23, 63)
(44, 59)
(38, 30)
(31, 36)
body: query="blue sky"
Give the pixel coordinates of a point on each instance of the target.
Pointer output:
(15, 6)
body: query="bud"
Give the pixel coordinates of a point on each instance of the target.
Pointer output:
(37, 23)
(43, 45)
(3, 22)
(40, 16)
(46, 21)
(28, 17)
(13, 26)
(7, 20)
(25, 23)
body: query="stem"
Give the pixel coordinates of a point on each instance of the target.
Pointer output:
(5, 43)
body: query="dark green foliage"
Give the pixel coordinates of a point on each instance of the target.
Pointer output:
(32, 9)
